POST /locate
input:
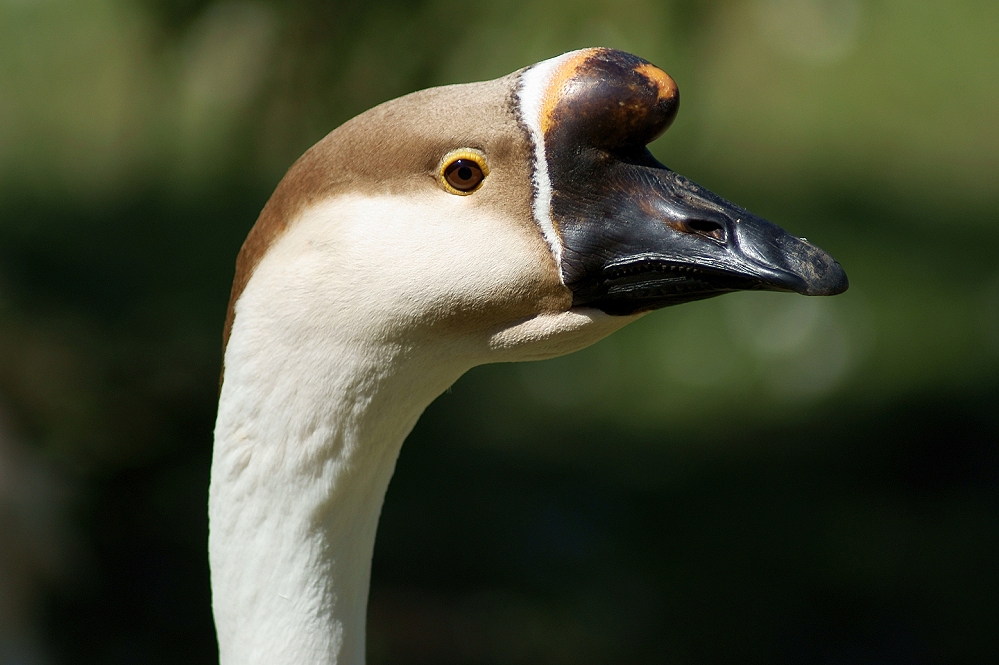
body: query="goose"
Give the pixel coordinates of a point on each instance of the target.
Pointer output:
(509, 220)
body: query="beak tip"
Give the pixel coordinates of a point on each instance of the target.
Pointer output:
(790, 263)
(825, 278)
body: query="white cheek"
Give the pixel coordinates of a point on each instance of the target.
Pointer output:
(440, 254)
(401, 261)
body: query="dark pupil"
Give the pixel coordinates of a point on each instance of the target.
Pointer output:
(463, 174)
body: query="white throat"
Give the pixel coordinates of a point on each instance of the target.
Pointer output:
(345, 333)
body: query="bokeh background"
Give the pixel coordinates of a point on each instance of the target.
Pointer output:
(756, 478)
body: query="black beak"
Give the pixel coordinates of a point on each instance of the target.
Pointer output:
(636, 236)
(643, 237)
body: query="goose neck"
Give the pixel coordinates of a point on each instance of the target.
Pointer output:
(305, 444)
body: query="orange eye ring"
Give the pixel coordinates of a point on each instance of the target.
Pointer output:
(463, 171)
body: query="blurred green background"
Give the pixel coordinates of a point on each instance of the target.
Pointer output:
(759, 478)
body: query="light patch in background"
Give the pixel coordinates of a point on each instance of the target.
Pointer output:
(226, 55)
(815, 31)
(801, 347)
(754, 351)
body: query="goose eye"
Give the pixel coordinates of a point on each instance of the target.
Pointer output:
(463, 171)
(463, 174)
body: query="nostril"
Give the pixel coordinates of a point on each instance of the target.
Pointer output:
(705, 227)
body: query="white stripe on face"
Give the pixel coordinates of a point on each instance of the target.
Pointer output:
(534, 85)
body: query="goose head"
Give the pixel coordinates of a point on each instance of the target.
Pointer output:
(524, 216)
